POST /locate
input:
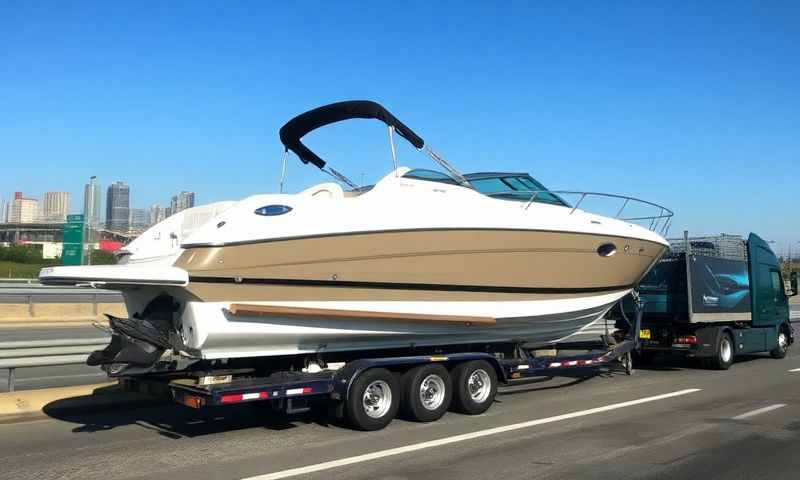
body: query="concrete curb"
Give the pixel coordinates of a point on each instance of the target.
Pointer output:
(26, 404)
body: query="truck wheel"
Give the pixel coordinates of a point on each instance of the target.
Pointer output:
(373, 400)
(783, 344)
(427, 390)
(474, 387)
(724, 357)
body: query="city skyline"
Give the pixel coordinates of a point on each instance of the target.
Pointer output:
(53, 207)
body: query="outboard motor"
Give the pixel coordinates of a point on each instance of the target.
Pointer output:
(137, 343)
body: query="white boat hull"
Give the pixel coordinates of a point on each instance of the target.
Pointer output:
(212, 331)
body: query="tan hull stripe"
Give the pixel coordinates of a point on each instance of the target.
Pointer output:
(274, 310)
(500, 258)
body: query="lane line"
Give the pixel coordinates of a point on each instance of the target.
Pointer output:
(795, 370)
(759, 411)
(460, 438)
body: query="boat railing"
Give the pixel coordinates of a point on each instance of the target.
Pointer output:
(658, 221)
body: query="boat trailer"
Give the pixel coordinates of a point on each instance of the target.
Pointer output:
(294, 391)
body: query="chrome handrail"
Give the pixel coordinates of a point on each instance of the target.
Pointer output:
(655, 225)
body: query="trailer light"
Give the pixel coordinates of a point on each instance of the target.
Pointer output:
(686, 340)
(438, 359)
(193, 401)
(555, 364)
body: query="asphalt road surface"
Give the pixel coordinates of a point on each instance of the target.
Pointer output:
(668, 421)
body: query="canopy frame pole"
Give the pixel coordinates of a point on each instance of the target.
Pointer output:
(447, 166)
(283, 168)
(394, 150)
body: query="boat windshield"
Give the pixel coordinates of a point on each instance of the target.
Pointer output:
(431, 176)
(514, 186)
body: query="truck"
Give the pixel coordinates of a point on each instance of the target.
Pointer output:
(715, 298)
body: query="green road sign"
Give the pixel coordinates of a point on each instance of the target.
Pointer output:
(72, 250)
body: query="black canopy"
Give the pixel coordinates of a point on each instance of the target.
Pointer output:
(296, 128)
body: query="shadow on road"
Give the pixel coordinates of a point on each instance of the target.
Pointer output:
(176, 421)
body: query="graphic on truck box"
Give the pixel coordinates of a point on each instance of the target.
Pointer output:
(719, 286)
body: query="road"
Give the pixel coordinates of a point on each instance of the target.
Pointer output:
(664, 422)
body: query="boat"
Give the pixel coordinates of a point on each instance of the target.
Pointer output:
(421, 258)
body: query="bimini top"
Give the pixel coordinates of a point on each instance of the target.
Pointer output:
(296, 128)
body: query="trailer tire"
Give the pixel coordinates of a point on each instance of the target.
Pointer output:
(724, 356)
(783, 343)
(373, 399)
(427, 391)
(474, 387)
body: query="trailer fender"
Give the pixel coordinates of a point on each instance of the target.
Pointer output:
(708, 341)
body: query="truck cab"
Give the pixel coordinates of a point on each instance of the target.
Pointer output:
(713, 298)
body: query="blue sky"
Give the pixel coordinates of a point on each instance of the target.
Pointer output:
(693, 105)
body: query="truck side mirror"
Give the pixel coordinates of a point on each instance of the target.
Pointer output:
(793, 282)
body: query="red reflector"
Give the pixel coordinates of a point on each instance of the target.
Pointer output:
(231, 398)
(307, 390)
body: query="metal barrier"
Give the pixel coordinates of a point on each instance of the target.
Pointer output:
(46, 353)
(31, 295)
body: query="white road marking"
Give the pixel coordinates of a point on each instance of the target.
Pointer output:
(460, 438)
(795, 370)
(759, 411)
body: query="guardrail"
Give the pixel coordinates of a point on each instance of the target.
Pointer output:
(46, 353)
(61, 297)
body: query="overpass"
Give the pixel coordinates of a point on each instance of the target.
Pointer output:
(54, 232)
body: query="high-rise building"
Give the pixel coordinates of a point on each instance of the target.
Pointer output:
(185, 200)
(23, 210)
(173, 205)
(118, 207)
(3, 210)
(156, 214)
(91, 202)
(56, 207)
(139, 219)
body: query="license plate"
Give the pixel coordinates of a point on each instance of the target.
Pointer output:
(644, 334)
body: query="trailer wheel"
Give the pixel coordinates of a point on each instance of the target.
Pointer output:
(427, 390)
(373, 399)
(724, 356)
(474, 387)
(783, 343)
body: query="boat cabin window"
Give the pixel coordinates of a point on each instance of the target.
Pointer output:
(430, 175)
(515, 187)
